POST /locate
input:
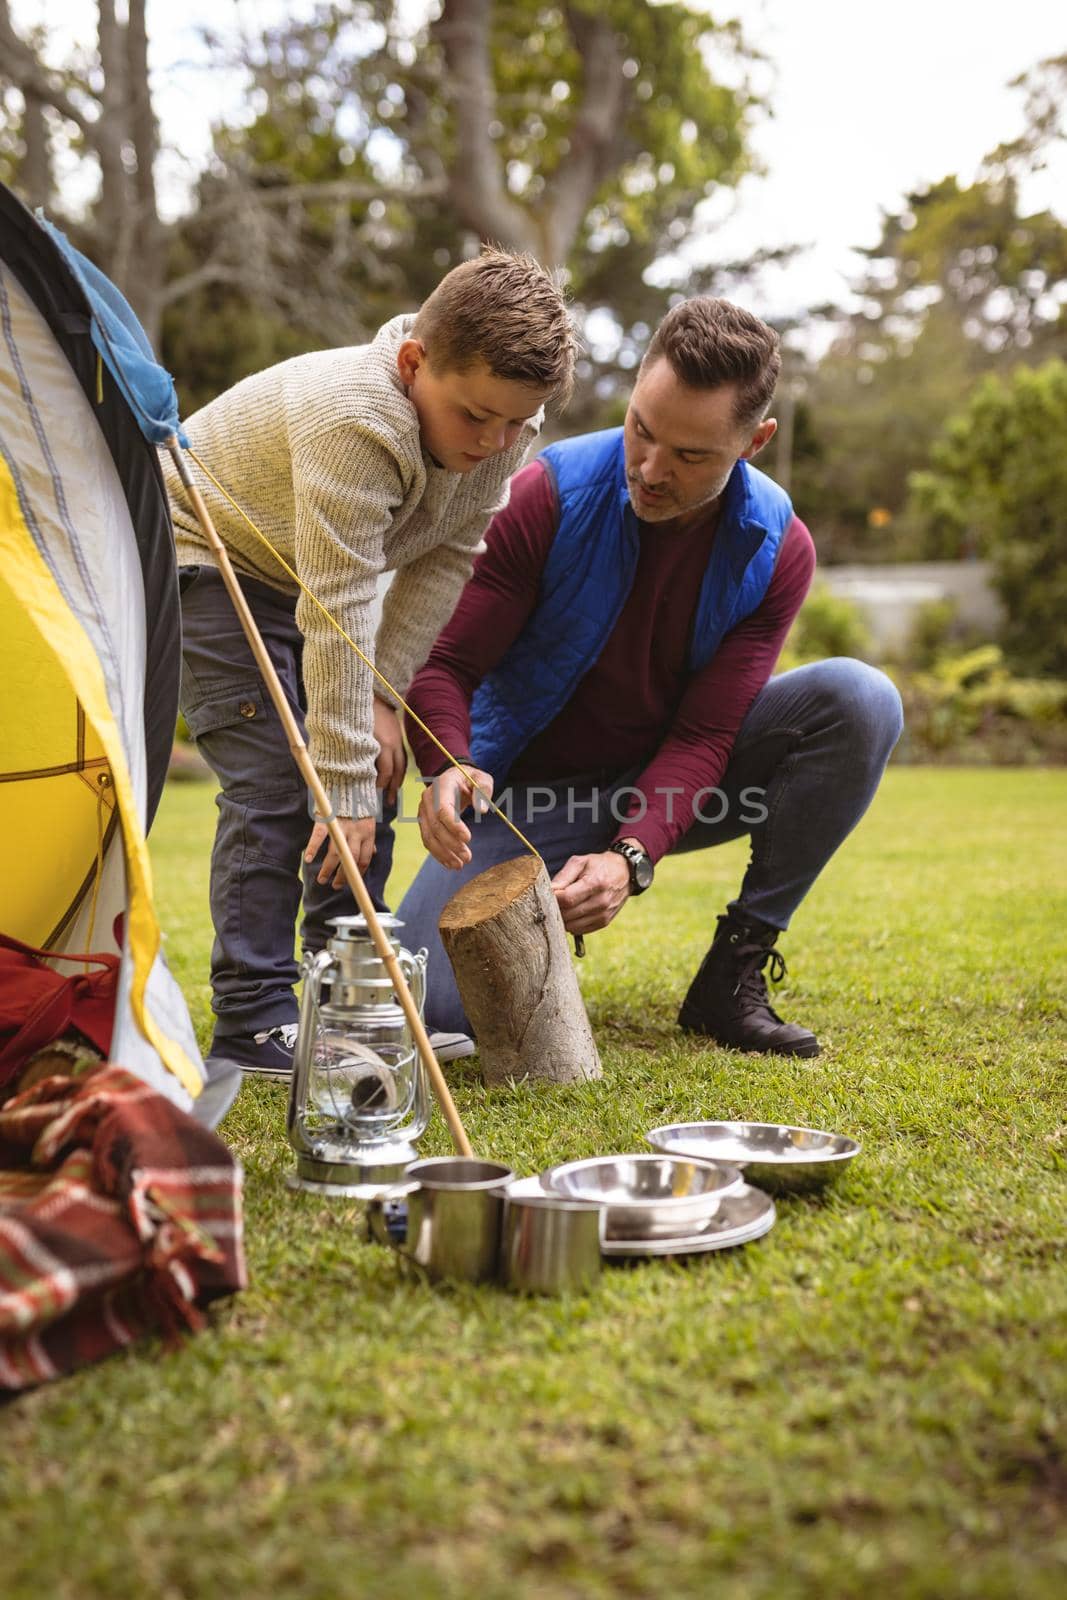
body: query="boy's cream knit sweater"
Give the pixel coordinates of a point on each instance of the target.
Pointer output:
(324, 454)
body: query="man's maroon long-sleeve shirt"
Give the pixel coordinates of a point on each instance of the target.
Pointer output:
(639, 705)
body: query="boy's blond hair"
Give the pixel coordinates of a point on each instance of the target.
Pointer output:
(506, 310)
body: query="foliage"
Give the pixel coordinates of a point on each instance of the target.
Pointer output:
(970, 707)
(934, 629)
(962, 282)
(355, 123)
(865, 1402)
(972, 248)
(960, 705)
(373, 148)
(294, 268)
(827, 625)
(998, 478)
(870, 409)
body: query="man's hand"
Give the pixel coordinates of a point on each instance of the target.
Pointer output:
(392, 757)
(591, 890)
(451, 792)
(359, 831)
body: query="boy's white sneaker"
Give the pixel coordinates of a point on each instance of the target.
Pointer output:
(269, 1054)
(452, 1046)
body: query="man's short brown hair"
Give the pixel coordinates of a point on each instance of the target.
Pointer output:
(504, 309)
(711, 342)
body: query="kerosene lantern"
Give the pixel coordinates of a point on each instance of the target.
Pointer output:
(359, 1096)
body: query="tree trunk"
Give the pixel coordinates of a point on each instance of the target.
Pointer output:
(477, 181)
(35, 170)
(145, 286)
(505, 939)
(115, 209)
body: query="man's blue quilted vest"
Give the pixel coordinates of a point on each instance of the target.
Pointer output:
(587, 579)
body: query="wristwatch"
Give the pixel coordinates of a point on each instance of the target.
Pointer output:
(639, 863)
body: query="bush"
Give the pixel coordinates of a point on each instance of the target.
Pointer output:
(971, 707)
(936, 633)
(828, 625)
(998, 476)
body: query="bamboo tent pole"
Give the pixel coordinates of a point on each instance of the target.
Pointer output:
(323, 808)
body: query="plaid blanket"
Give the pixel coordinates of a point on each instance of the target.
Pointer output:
(119, 1215)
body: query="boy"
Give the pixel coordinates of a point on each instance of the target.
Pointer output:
(390, 456)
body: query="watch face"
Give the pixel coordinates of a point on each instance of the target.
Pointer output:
(642, 872)
(640, 865)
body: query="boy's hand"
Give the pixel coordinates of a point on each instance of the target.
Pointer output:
(392, 757)
(359, 831)
(591, 890)
(443, 834)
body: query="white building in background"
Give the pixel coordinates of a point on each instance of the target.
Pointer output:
(891, 597)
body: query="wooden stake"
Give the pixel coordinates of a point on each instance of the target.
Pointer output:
(505, 939)
(323, 807)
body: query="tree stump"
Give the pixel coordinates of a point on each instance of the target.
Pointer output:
(508, 947)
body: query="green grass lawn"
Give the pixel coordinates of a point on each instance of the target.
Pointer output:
(867, 1402)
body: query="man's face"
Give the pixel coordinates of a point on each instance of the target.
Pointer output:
(681, 446)
(464, 417)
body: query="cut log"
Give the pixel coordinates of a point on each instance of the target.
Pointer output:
(508, 947)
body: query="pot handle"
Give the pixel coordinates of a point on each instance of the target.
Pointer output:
(387, 1224)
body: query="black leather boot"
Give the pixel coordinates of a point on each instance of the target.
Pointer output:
(728, 998)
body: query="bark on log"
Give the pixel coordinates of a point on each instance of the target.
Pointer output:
(505, 939)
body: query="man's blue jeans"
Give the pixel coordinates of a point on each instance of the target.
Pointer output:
(804, 768)
(264, 817)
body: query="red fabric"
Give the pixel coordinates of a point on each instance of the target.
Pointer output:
(638, 705)
(119, 1214)
(37, 1004)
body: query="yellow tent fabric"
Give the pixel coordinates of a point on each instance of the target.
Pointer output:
(75, 643)
(64, 778)
(56, 795)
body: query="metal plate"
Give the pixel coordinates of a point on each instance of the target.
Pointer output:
(740, 1219)
(770, 1153)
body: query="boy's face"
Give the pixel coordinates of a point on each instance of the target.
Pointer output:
(465, 416)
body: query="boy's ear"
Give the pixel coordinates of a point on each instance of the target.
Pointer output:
(409, 358)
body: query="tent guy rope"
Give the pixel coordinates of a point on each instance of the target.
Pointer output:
(323, 808)
(487, 800)
(367, 662)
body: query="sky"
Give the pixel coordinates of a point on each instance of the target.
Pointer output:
(869, 102)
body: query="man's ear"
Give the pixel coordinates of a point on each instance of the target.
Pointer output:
(762, 436)
(409, 358)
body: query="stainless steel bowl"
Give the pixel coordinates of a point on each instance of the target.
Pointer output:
(646, 1197)
(771, 1155)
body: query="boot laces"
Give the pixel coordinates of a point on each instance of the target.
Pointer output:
(751, 984)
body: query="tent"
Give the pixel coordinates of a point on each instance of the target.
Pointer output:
(89, 636)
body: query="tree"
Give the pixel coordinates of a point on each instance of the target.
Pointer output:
(581, 125)
(869, 410)
(587, 131)
(973, 251)
(963, 281)
(542, 126)
(997, 482)
(115, 124)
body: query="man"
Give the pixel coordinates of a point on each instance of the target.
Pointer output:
(610, 661)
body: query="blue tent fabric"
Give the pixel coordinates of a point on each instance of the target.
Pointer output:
(124, 347)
